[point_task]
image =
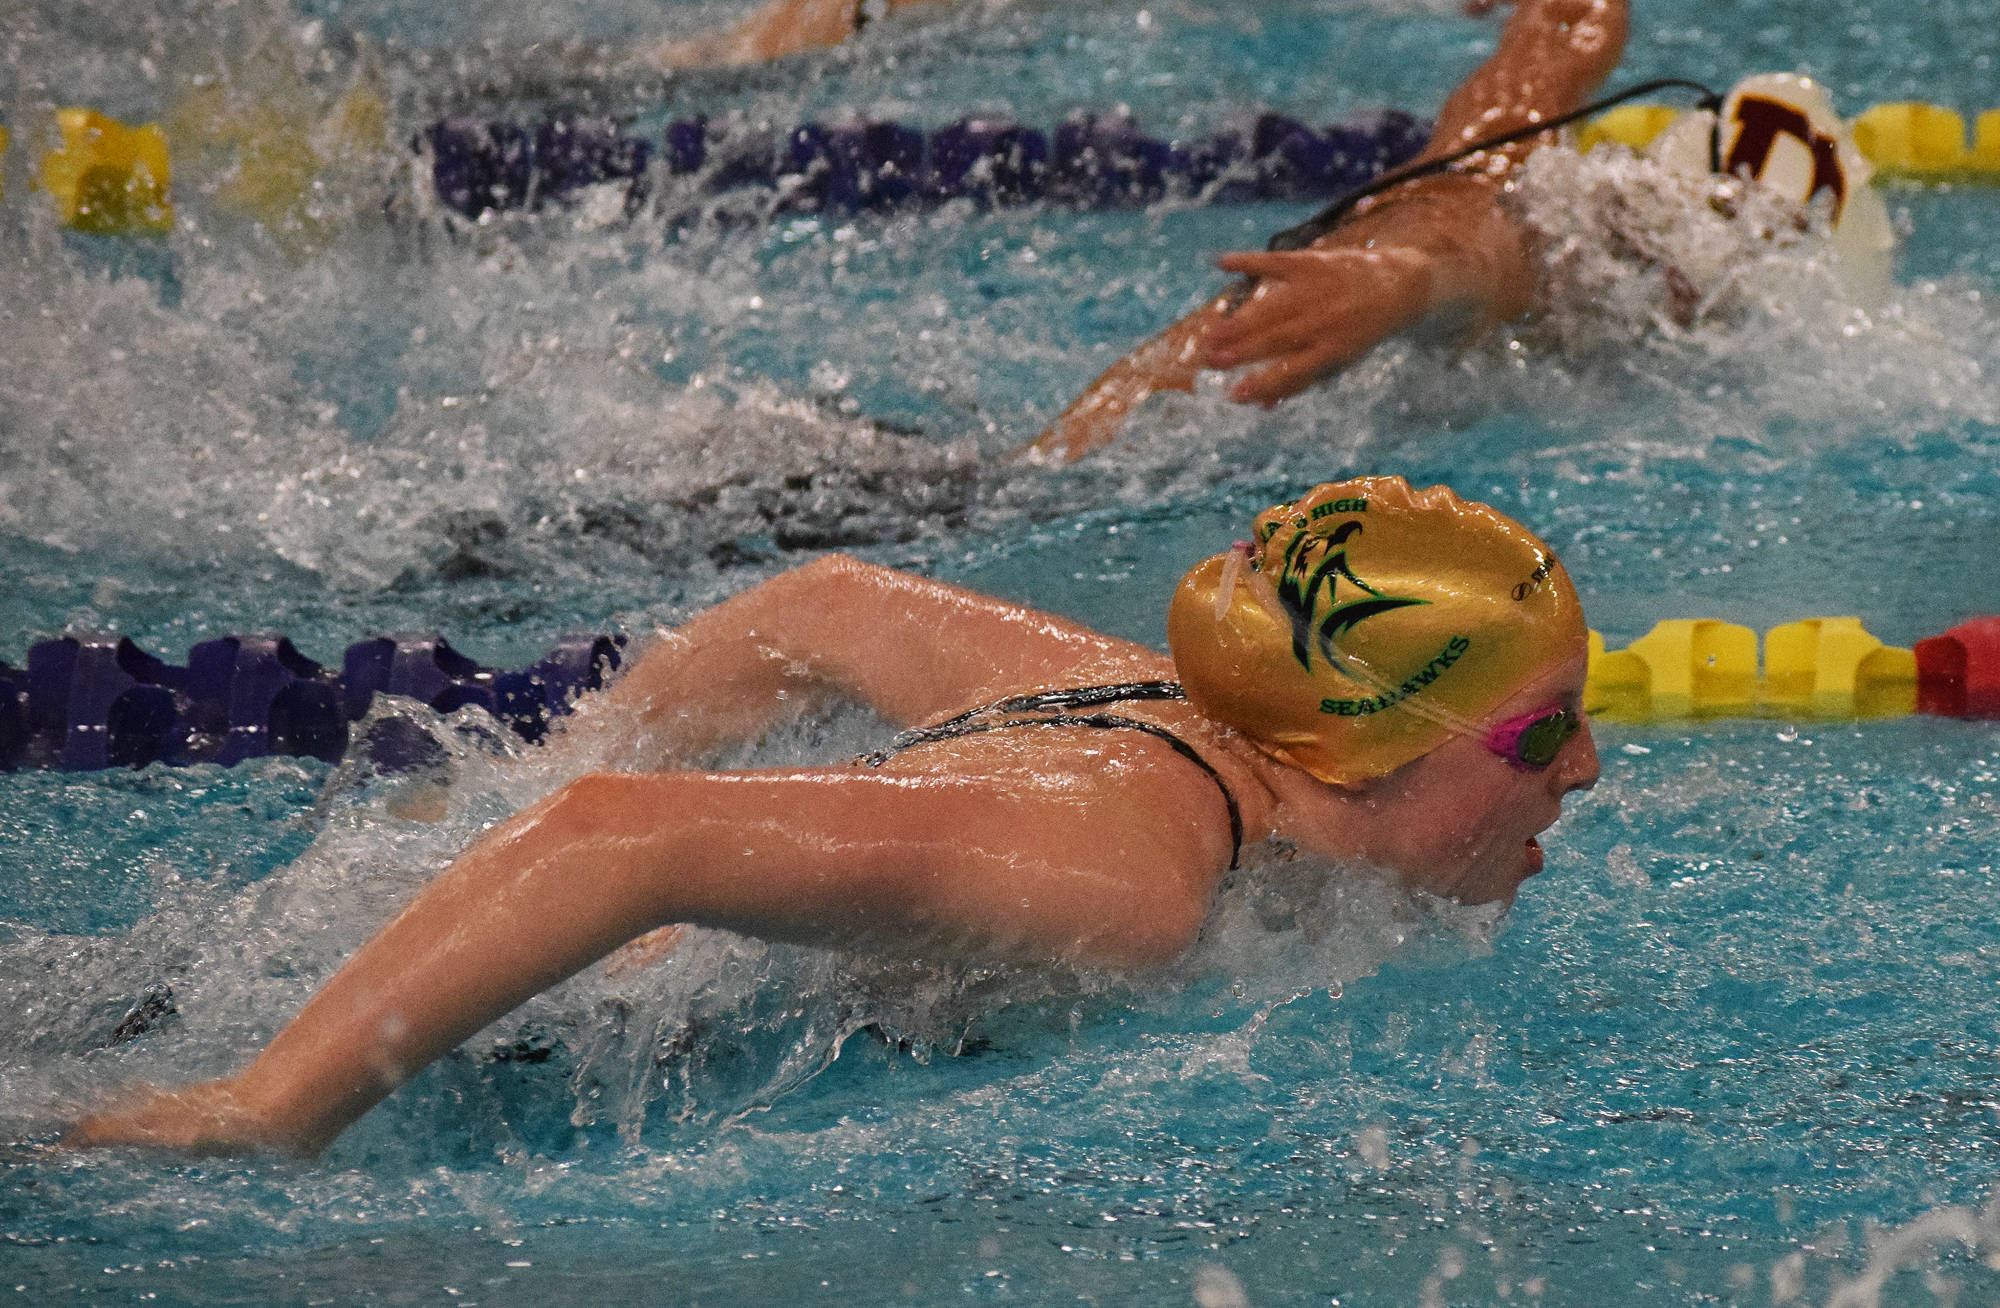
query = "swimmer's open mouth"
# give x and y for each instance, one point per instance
(1534, 848)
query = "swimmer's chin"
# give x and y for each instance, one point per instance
(1500, 888)
(1531, 863)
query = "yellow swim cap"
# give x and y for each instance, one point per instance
(1367, 622)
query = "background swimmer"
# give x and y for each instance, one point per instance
(1387, 675)
(780, 28)
(1434, 246)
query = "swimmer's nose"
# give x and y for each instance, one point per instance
(1576, 768)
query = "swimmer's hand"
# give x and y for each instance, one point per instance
(1312, 312)
(780, 28)
(208, 1118)
(1165, 363)
(1435, 246)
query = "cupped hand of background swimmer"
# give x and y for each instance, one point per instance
(1312, 312)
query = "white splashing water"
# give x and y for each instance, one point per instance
(1721, 299)
(428, 397)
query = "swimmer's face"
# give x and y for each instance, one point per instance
(1460, 822)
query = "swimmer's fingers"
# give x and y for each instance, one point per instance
(1314, 311)
(1305, 352)
(1268, 263)
(1291, 373)
(1300, 298)
(1341, 340)
(1275, 319)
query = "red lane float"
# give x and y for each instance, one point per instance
(1958, 673)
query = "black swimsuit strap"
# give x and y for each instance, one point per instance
(963, 725)
(1074, 697)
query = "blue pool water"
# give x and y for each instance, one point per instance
(1738, 1045)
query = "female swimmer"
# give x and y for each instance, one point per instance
(1433, 246)
(1386, 675)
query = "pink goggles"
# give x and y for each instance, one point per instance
(1531, 742)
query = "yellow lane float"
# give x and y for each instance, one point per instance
(1631, 125)
(1833, 668)
(1682, 668)
(1704, 668)
(1924, 141)
(108, 177)
(1905, 138)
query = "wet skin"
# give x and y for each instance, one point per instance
(1477, 842)
(1438, 246)
(1099, 849)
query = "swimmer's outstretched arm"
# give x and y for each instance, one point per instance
(1020, 866)
(1434, 245)
(909, 648)
(1027, 864)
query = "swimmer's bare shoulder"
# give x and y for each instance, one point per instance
(1058, 845)
(910, 648)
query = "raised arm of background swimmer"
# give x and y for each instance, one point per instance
(779, 28)
(906, 647)
(1436, 244)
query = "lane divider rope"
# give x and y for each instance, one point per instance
(111, 177)
(90, 700)
(1827, 668)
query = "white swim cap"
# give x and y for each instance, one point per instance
(1779, 129)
